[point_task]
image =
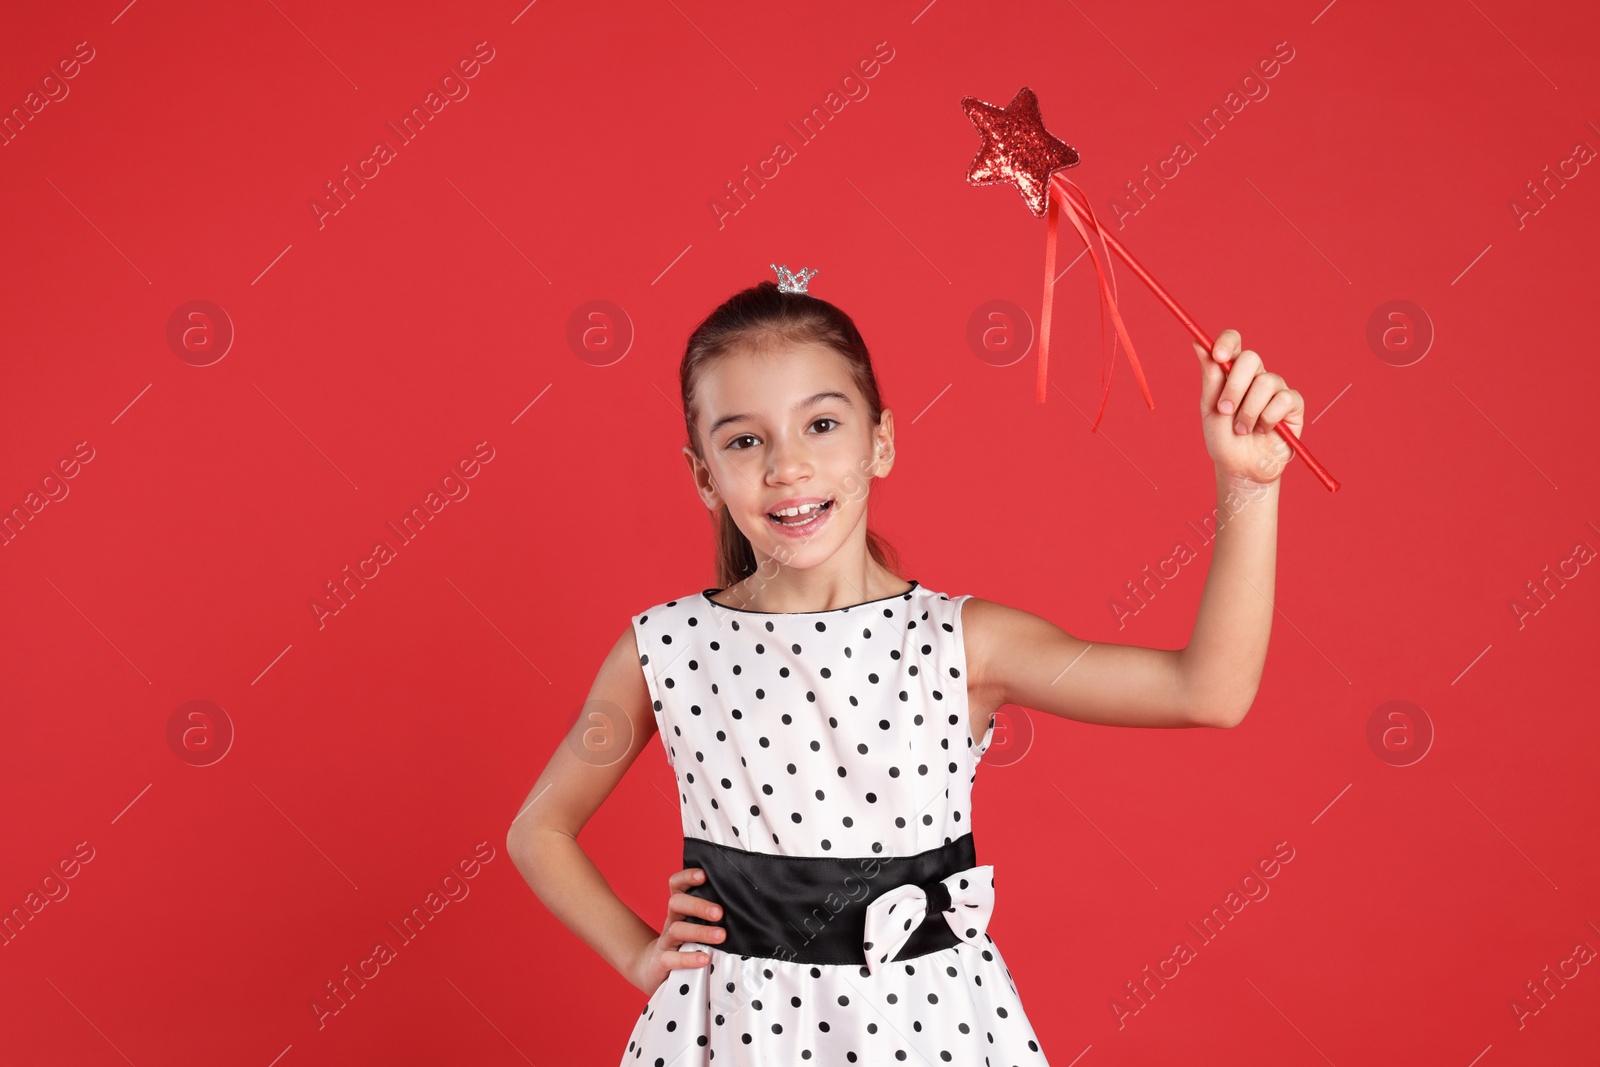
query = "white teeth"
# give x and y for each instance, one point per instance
(804, 509)
(804, 515)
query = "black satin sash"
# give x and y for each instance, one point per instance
(812, 909)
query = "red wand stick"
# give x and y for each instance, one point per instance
(1019, 150)
(1073, 197)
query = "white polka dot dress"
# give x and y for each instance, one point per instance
(803, 737)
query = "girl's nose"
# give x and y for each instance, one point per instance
(790, 458)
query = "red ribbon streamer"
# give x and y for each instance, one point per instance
(1108, 292)
(1078, 204)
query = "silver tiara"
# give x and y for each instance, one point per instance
(792, 282)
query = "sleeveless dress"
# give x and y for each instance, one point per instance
(839, 733)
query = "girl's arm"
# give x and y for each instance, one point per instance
(1015, 657)
(616, 723)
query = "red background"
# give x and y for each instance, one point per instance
(372, 754)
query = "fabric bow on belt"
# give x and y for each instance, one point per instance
(965, 899)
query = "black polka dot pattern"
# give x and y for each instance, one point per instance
(841, 733)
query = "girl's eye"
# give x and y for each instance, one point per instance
(733, 443)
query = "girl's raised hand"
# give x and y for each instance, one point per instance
(661, 956)
(1250, 397)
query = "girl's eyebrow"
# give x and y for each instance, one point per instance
(816, 398)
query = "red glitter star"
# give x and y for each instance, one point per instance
(1017, 148)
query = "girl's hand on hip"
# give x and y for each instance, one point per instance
(1240, 410)
(660, 957)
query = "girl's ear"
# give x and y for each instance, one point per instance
(703, 483)
(883, 445)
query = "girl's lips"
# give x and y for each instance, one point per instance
(807, 528)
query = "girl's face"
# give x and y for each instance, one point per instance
(785, 428)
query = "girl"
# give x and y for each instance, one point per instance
(825, 718)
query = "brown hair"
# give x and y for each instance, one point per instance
(750, 319)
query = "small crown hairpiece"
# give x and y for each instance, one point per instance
(792, 282)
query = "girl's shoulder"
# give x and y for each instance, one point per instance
(656, 626)
(682, 605)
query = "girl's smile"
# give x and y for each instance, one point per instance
(802, 519)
